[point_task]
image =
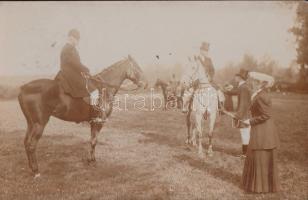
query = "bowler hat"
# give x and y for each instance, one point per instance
(243, 73)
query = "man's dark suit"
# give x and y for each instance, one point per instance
(70, 77)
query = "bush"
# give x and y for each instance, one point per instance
(7, 92)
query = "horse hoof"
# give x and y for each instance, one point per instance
(201, 155)
(36, 176)
(91, 160)
(188, 142)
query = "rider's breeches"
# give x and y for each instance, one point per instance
(94, 97)
(245, 135)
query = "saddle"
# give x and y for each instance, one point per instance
(95, 85)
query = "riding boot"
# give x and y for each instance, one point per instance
(220, 108)
(244, 149)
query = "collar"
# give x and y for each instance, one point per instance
(241, 83)
(256, 93)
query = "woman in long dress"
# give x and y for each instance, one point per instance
(260, 174)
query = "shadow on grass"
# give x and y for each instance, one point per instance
(228, 151)
(174, 142)
(160, 139)
(208, 168)
(58, 156)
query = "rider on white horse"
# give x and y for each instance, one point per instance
(201, 73)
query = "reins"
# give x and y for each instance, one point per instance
(103, 82)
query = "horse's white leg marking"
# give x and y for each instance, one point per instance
(37, 175)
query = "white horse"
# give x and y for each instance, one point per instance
(203, 106)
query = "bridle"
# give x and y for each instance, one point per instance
(134, 89)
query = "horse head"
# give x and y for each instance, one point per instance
(135, 74)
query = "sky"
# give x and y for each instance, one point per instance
(33, 33)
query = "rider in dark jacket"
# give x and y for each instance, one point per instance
(70, 75)
(73, 74)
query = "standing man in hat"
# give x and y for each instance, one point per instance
(72, 75)
(243, 105)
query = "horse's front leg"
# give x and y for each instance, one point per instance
(193, 139)
(95, 129)
(212, 119)
(165, 100)
(198, 128)
(189, 129)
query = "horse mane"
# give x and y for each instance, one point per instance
(106, 74)
(111, 67)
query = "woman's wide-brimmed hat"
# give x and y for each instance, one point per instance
(264, 78)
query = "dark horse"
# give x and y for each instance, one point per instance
(43, 98)
(168, 94)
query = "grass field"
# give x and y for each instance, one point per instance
(142, 155)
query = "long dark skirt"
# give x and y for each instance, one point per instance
(260, 174)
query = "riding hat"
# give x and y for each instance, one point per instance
(74, 33)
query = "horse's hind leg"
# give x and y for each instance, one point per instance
(36, 122)
(26, 109)
(27, 138)
(31, 141)
(95, 129)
